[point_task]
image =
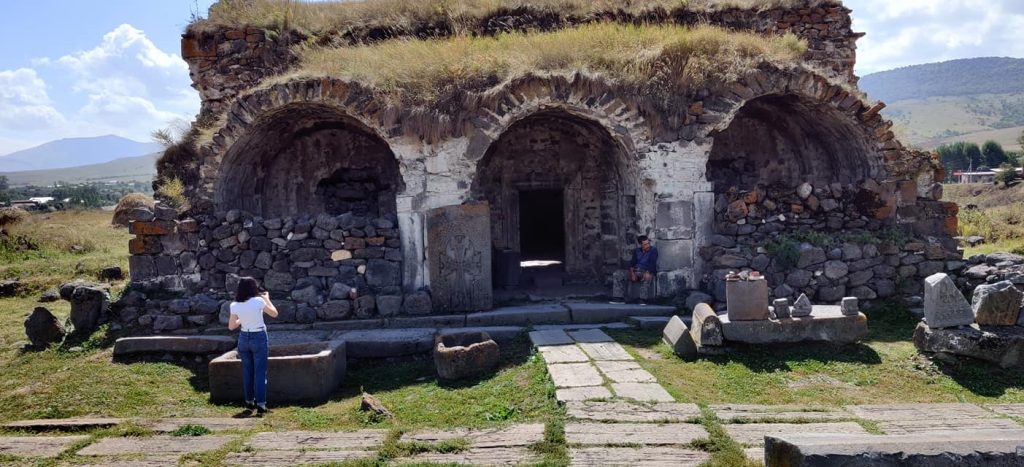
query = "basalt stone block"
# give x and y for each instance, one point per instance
(335, 310)
(389, 305)
(781, 308)
(365, 306)
(997, 304)
(944, 449)
(849, 306)
(417, 303)
(801, 307)
(828, 324)
(1003, 345)
(747, 300)
(460, 268)
(168, 323)
(944, 305)
(43, 329)
(89, 303)
(278, 281)
(383, 273)
(678, 336)
(706, 327)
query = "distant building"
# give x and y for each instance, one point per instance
(41, 199)
(983, 176)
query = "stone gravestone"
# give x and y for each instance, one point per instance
(944, 305)
(459, 257)
(802, 307)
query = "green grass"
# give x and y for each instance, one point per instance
(659, 61)
(885, 368)
(999, 216)
(320, 17)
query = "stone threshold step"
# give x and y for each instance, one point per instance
(962, 447)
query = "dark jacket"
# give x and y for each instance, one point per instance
(645, 260)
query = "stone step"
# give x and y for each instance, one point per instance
(746, 413)
(477, 456)
(624, 411)
(611, 312)
(585, 393)
(647, 434)
(163, 444)
(191, 345)
(753, 434)
(963, 447)
(889, 412)
(649, 322)
(521, 316)
(361, 440)
(506, 437)
(279, 458)
(637, 457)
(37, 446)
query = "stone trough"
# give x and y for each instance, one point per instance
(464, 354)
(298, 373)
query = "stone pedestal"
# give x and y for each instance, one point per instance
(459, 257)
(827, 323)
(747, 300)
(677, 336)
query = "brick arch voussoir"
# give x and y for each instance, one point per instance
(578, 96)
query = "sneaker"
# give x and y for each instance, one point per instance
(261, 410)
(247, 411)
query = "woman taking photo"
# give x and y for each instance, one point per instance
(253, 348)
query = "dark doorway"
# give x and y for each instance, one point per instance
(542, 225)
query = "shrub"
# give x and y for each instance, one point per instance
(1007, 175)
(11, 216)
(127, 204)
(172, 191)
(785, 251)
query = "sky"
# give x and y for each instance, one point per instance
(78, 68)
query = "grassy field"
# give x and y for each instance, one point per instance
(66, 382)
(938, 120)
(885, 368)
(999, 216)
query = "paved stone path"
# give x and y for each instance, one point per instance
(616, 414)
(647, 426)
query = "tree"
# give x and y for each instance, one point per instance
(952, 158)
(1007, 174)
(993, 155)
(4, 186)
(973, 153)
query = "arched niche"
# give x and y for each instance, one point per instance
(561, 188)
(309, 159)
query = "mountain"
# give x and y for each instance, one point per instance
(74, 152)
(974, 99)
(128, 169)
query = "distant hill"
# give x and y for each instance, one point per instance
(75, 152)
(975, 99)
(128, 169)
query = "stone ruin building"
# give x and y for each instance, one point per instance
(314, 181)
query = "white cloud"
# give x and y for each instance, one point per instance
(908, 32)
(24, 103)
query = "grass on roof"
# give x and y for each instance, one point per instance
(319, 17)
(658, 61)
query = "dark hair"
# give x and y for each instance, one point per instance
(247, 288)
(642, 238)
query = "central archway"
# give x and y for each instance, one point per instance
(309, 159)
(562, 191)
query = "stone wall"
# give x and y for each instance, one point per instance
(184, 271)
(224, 62)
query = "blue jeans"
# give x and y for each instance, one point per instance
(253, 349)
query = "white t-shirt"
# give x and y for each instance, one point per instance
(250, 312)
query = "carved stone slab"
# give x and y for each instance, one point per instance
(506, 437)
(632, 433)
(37, 446)
(752, 434)
(163, 444)
(623, 411)
(636, 457)
(286, 440)
(459, 257)
(276, 458)
(944, 305)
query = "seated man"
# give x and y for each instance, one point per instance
(642, 269)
